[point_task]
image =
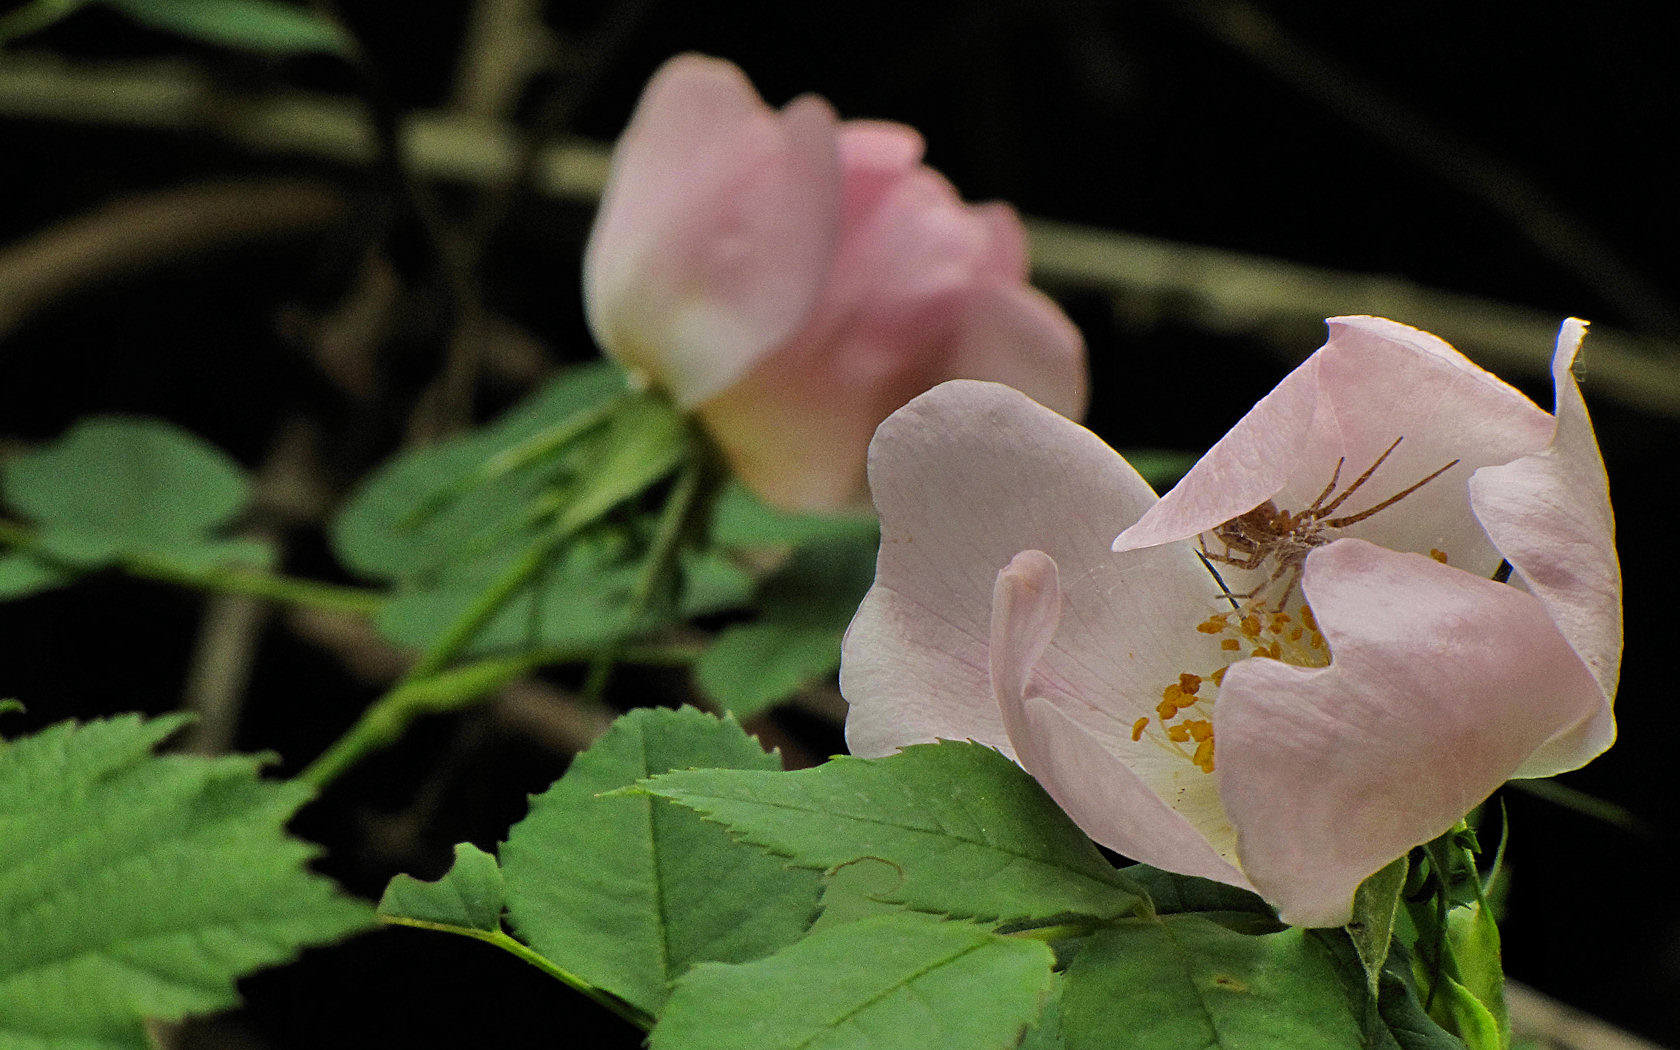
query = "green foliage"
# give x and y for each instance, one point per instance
(628, 892)
(473, 492)
(743, 521)
(467, 899)
(1400, 1023)
(115, 488)
(447, 523)
(134, 886)
(805, 609)
(580, 601)
(972, 835)
(1375, 905)
(893, 982)
(264, 26)
(22, 575)
(1181, 980)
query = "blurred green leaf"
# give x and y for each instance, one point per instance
(266, 26)
(1161, 467)
(467, 899)
(742, 520)
(21, 576)
(628, 892)
(134, 886)
(894, 982)
(1375, 905)
(115, 487)
(486, 501)
(804, 611)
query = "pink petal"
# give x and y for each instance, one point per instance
(717, 228)
(1372, 382)
(1016, 335)
(907, 307)
(1442, 684)
(1093, 784)
(965, 477)
(1549, 515)
(874, 155)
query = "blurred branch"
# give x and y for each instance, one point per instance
(231, 625)
(1551, 227)
(1539, 1018)
(149, 229)
(1222, 291)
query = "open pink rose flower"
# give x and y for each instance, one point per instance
(792, 279)
(1355, 684)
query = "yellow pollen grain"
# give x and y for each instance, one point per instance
(1204, 755)
(1251, 626)
(1213, 624)
(1307, 619)
(1230, 645)
(1295, 635)
(1440, 556)
(1166, 709)
(1178, 734)
(1137, 728)
(1219, 676)
(1173, 694)
(1189, 683)
(1316, 641)
(1200, 729)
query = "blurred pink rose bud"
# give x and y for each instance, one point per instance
(792, 279)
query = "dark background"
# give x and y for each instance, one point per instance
(1516, 153)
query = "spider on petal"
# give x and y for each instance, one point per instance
(1266, 532)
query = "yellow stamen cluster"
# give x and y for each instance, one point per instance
(1184, 710)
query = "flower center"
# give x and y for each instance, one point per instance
(1184, 717)
(1272, 620)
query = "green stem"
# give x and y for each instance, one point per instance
(657, 566)
(500, 939)
(215, 579)
(383, 722)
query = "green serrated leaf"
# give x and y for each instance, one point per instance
(1181, 980)
(264, 26)
(807, 606)
(861, 889)
(974, 835)
(136, 886)
(1375, 905)
(894, 982)
(467, 899)
(21, 576)
(115, 487)
(742, 520)
(629, 892)
(377, 533)
(1174, 893)
(1046, 1032)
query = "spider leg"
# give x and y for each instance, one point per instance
(1360, 480)
(1335, 475)
(1337, 523)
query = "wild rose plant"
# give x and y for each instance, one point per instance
(1389, 589)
